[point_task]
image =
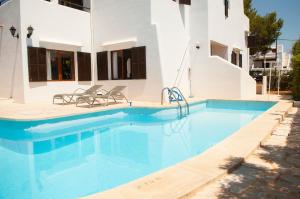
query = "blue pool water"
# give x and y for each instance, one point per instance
(70, 157)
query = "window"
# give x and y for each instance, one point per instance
(121, 64)
(60, 65)
(76, 4)
(125, 64)
(226, 5)
(218, 49)
(186, 2)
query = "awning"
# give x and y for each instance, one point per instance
(237, 48)
(119, 44)
(59, 45)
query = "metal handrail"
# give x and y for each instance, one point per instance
(172, 93)
(181, 62)
(186, 102)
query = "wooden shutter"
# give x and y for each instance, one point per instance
(37, 64)
(138, 64)
(84, 66)
(186, 2)
(102, 65)
(233, 58)
(226, 2)
(251, 42)
(241, 60)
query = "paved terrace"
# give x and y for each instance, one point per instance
(272, 171)
(11, 110)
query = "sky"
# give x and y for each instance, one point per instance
(289, 11)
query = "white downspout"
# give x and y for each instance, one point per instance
(93, 62)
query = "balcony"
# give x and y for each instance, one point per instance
(83, 5)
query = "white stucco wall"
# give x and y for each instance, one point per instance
(144, 23)
(170, 32)
(55, 27)
(214, 77)
(229, 31)
(11, 70)
(125, 24)
(174, 42)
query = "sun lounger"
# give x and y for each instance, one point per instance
(114, 94)
(70, 97)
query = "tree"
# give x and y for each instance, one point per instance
(296, 77)
(296, 48)
(249, 10)
(296, 70)
(266, 29)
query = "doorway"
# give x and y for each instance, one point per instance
(60, 65)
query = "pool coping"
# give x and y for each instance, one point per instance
(119, 107)
(99, 109)
(183, 180)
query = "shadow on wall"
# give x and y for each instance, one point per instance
(1, 38)
(14, 69)
(37, 84)
(281, 179)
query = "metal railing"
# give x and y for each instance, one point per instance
(71, 4)
(184, 99)
(172, 94)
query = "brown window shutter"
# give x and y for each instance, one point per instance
(37, 64)
(138, 64)
(102, 65)
(241, 60)
(251, 42)
(233, 58)
(186, 2)
(84, 66)
(226, 2)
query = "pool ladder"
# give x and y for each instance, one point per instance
(171, 95)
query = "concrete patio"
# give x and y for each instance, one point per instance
(272, 171)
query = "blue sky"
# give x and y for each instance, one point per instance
(289, 11)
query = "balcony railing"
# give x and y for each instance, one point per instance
(74, 4)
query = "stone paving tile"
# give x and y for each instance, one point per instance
(271, 172)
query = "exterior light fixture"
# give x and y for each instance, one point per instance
(13, 32)
(30, 31)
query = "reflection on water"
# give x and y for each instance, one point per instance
(73, 157)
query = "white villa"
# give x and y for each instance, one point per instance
(198, 45)
(280, 60)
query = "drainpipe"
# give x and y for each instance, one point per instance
(92, 44)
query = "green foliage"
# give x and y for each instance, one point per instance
(296, 48)
(285, 81)
(296, 77)
(249, 10)
(266, 28)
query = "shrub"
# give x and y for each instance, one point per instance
(296, 77)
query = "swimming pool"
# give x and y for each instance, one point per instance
(76, 156)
